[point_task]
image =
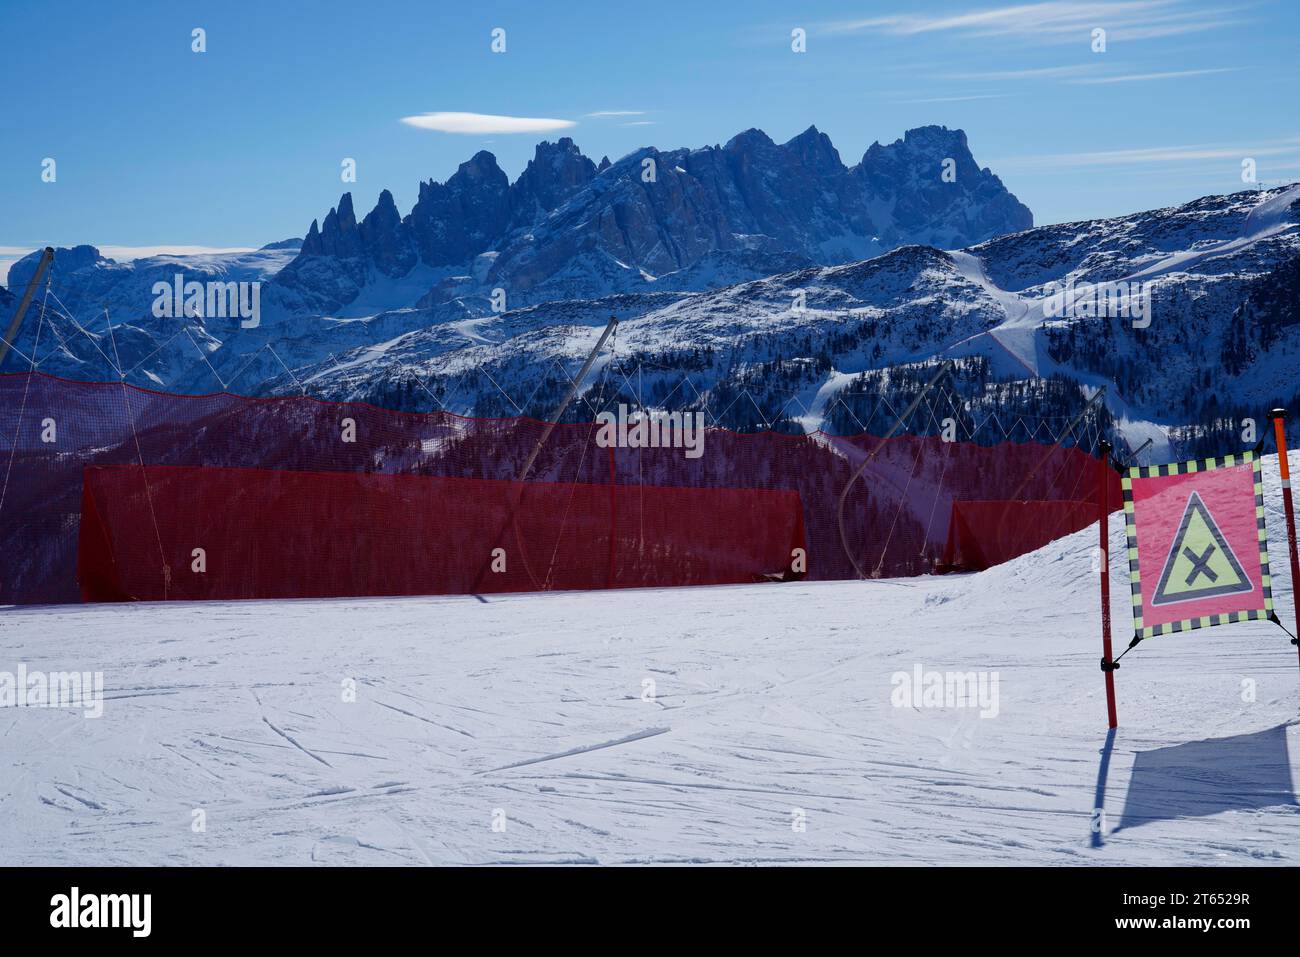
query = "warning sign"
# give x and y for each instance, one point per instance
(1197, 546)
(1200, 564)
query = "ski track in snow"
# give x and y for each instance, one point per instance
(767, 699)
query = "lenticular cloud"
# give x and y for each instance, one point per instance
(485, 123)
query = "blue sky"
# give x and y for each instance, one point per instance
(242, 145)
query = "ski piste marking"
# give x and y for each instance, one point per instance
(626, 739)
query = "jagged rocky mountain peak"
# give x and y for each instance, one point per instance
(481, 166)
(752, 138)
(569, 228)
(815, 150)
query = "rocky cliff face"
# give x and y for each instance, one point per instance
(556, 172)
(906, 177)
(568, 228)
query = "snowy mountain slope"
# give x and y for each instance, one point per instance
(1221, 275)
(1170, 246)
(806, 334)
(535, 710)
(1199, 265)
(90, 292)
(653, 224)
(87, 281)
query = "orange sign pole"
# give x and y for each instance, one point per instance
(1279, 433)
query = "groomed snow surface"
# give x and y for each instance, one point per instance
(533, 713)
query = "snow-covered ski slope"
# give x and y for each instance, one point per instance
(770, 705)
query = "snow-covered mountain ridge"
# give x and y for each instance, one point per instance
(1220, 275)
(1219, 341)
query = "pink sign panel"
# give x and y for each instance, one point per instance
(1198, 551)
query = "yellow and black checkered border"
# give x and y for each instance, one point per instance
(1135, 587)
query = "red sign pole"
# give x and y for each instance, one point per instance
(1107, 663)
(1279, 433)
(613, 518)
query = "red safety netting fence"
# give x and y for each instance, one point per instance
(227, 533)
(581, 499)
(983, 534)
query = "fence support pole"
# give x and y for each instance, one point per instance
(613, 517)
(532, 457)
(1108, 665)
(1279, 433)
(944, 368)
(11, 337)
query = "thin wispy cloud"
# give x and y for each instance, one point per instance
(1033, 73)
(1147, 155)
(957, 99)
(640, 123)
(1055, 21)
(485, 123)
(599, 114)
(1082, 74)
(1146, 77)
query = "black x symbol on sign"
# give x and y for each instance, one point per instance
(1201, 565)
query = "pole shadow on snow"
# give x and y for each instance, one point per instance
(1099, 800)
(1239, 773)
